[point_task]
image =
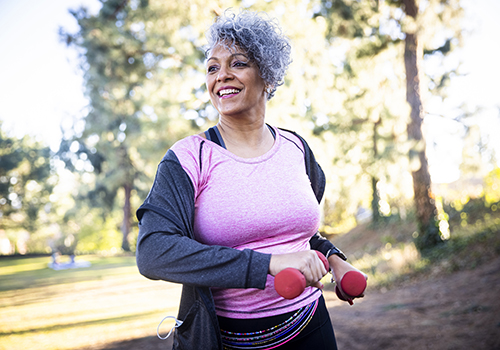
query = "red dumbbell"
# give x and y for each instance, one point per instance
(352, 284)
(290, 282)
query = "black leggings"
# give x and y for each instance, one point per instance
(318, 334)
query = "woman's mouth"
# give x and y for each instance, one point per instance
(225, 93)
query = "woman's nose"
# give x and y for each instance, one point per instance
(224, 74)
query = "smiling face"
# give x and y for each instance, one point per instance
(234, 83)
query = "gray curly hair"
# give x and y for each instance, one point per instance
(262, 40)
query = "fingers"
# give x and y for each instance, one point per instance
(318, 285)
(313, 268)
(307, 262)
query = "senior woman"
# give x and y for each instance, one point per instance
(233, 206)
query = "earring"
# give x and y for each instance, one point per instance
(268, 90)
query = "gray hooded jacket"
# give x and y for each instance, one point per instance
(167, 250)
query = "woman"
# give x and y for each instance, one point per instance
(232, 207)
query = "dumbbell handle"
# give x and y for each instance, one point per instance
(290, 282)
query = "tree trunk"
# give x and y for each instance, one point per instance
(428, 235)
(126, 217)
(376, 215)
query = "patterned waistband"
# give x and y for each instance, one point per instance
(272, 337)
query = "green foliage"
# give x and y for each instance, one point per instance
(428, 235)
(372, 35)
(492, 188)
(98, 236)
(469, 249)
(475, 212)
(137, 63)
(369, 123)
(27, 180)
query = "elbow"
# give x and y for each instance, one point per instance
(145, 264)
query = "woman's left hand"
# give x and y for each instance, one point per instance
(340, 267)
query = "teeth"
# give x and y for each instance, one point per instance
(228, 92)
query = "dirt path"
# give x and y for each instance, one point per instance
(455, 311)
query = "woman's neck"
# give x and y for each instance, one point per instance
(246, 139)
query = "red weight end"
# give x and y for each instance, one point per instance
(289, 283)
(341, 297)
(339, 294)
(353, 283)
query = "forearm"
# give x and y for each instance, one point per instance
(339, 267)
(175, 258)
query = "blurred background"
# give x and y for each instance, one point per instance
(398, 99)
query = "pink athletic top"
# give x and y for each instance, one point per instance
(264, 203)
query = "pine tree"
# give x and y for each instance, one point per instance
(374, 28)
(141, 64)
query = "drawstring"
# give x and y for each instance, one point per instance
(178, 323)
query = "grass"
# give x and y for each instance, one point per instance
(83, 308)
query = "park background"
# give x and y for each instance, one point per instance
(91, 100)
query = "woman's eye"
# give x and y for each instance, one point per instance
(211, 69)
(240, 64)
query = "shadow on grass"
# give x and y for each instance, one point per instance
(103, 321)
(40, 275)
(147, 343)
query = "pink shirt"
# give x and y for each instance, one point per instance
(264, 203)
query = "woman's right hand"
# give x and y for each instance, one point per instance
(307, 262)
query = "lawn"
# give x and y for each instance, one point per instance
(84, 308)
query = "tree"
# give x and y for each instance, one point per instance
(114, 60)
(375, 27)
(26, 182)
(141, 62)
(424, 202)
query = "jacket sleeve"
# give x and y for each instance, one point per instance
(167, 250)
